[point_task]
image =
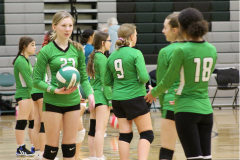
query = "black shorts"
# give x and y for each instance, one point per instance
(22, 98)
(167, 114)
(62, 110)
(99, 104)
(131, 108)
(37, 96)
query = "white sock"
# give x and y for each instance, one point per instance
(21, 145)
(32, 145)
(37, 152)
(93, 158)
(41, 153)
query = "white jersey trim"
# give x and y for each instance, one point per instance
(22, 80)
(182, 82)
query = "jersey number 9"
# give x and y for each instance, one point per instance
(118, 68)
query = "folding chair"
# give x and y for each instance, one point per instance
(224, 78)
(7, 80)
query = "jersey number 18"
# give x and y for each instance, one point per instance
(207, 67)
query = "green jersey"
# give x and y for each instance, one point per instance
(22, 73)
(102, 93)
(127, 73)
(51, 58)
(164, 58)
(195, 62)
(35, 90)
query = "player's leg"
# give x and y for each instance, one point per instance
(25, 107)
(42, 136)
(205, 131)
(91, 134)
(70, 128)
(144, 126)
(80, 133)
(187, 129)
(102, 116)
(140, 114)
(125, 137)
(36, 128)
(52, 122)
(30, 128)
(168, 135)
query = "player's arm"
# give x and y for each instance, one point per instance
(83, 75)
(108, 77)
(26, 73)
(107, 91)
(39, 73)
(171, 75)
(141, 68)
(162, 66)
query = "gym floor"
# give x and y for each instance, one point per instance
(225, 138)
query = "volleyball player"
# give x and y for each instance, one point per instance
(60, 104)
(24, 84)
(103, 95)
(168, 128)
(37, 97)
(127, 73)
(195, 61)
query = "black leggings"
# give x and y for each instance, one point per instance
(194, 131)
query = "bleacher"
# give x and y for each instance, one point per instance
(34, 17)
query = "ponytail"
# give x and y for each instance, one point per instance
(90, 67)
(19, 53)
(77, 45)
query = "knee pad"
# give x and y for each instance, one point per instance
(31, 124)
(166, 153)
(50, 152)
(126, 137)
(68, 150)
(92, 128)
(42, 130)
(148, 135)
(21, 124)
(80, 136)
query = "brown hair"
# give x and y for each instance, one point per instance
(192, 22)
(124, 32)
(97, 44)
(23, 42)
(56, 19)
(173, 22)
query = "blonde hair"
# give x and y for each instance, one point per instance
(56, 19)
(124, 33)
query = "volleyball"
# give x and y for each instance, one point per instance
(68, 77)
(113, 121)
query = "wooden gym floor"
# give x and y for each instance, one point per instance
(225, 138)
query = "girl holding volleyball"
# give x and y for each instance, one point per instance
(61, 104)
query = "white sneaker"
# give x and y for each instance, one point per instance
(93, 158)
(55, 158)
(38, 157)
(102, 158)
